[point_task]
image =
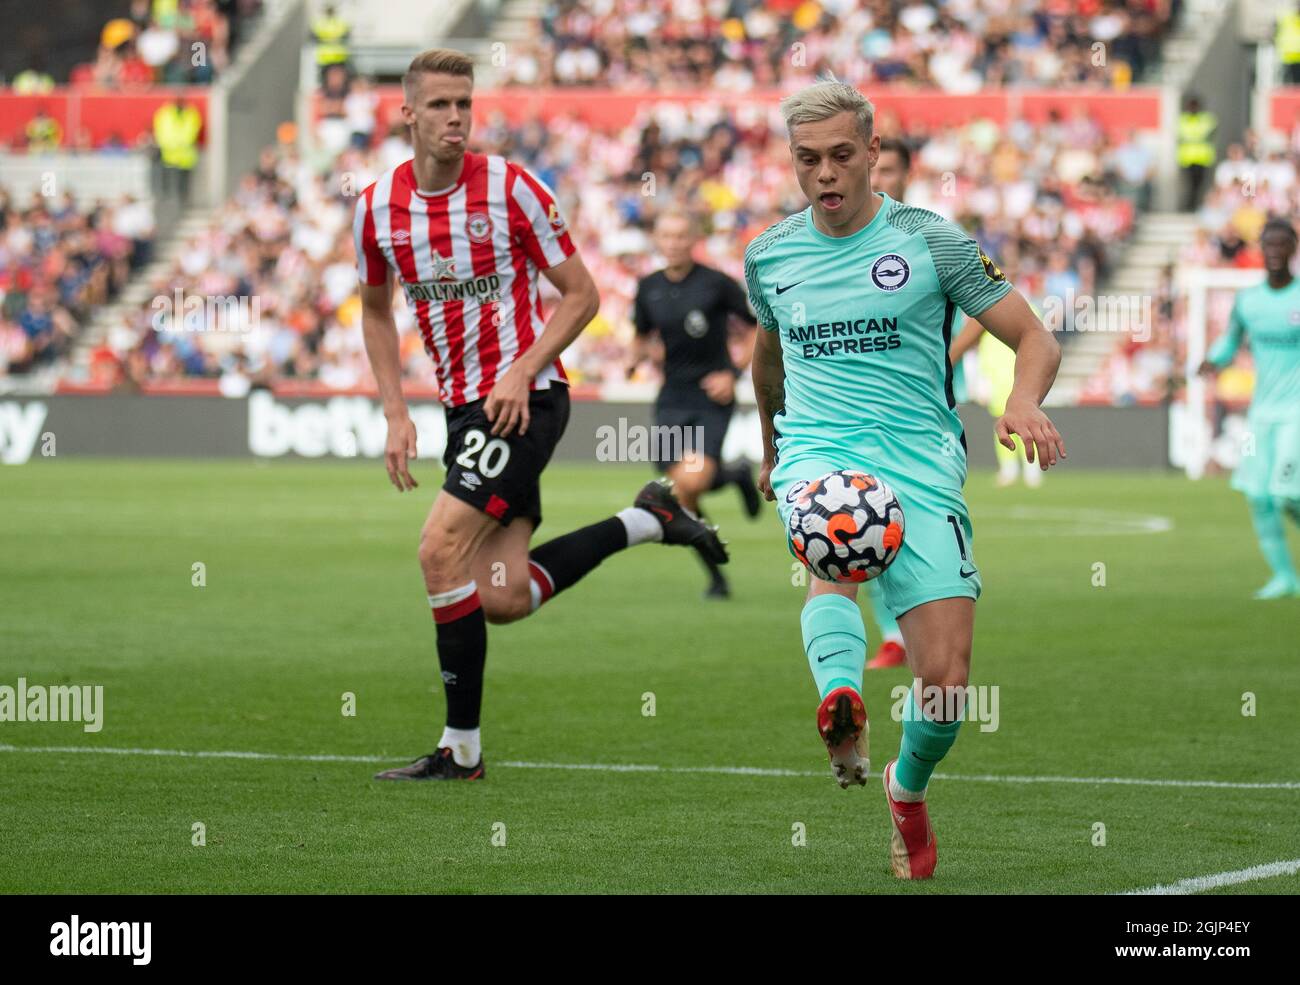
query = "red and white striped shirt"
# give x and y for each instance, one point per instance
(468, 258)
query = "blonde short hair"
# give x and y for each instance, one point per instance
(824, 99)
(441, 61)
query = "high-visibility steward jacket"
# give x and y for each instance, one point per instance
(176, 131)
(329, 33)
(1194, 143)
(1287, 39)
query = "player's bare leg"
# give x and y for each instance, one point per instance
(500, 569)
(453, 533)
(692, 477)
(835, 641)
(938, 636)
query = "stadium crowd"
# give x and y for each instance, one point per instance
(1046, 200)
(58, 261)
(735, 45)
(170, 42)
(1255, 180)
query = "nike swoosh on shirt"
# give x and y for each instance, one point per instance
(781, 290)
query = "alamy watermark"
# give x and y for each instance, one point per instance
(56, 703)
(1126, 314)
(102, 938)
(969, 702)
(179, 312)
(657, 443)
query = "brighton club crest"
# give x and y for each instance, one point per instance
(890, 272)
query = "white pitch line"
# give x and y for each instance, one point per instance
(202, 754)
(652, 768)
(1200, 884)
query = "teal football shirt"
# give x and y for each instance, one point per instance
(1270, 321)
(865, 323)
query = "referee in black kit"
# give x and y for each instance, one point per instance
(687, 305)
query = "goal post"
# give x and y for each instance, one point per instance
(1195, 437)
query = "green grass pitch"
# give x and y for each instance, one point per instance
(313, 590)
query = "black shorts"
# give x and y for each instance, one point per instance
(502, 476)
(685, 416)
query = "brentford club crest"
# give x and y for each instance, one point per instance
(478, 227)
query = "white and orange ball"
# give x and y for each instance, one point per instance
(846, 526)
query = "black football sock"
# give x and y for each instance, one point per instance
(716, 577)
(462, 652)
(564, 561)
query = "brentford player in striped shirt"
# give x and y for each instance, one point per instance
(465, 235)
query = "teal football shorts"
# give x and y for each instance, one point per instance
(1270, 461)
(936, 560)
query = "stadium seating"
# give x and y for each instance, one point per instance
(184, 43)
(58, 261)
(1250, 184)
(1039, 199)
(662, 44)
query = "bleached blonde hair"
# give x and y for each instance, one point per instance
(825, 98)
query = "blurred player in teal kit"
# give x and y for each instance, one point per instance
(1268, 318)
(857, 296)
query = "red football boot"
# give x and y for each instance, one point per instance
(890, 654)
(842, 723)
(913, 852)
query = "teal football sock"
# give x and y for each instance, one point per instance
(835, 640)
(925, 743)
(884, 618)
(1272, 537)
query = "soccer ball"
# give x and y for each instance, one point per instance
(846, 526)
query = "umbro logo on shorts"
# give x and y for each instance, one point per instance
(470, 480)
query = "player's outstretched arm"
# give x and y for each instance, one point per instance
(768, 371)
(1038, 356)
(1225, 346)
(382, 349)
(507, 403)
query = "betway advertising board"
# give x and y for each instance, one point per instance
(265, 426)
